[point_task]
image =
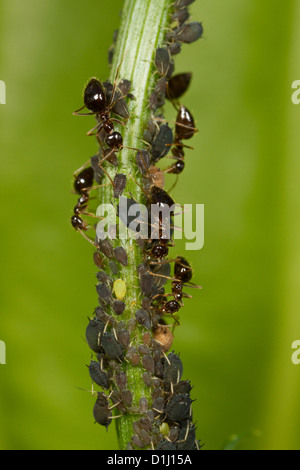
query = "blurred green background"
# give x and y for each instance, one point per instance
(236, 334)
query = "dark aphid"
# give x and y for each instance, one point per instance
(98, 260)
(133, 356)
(146, 283)
(143, 350)
(158, 404)
(119, 185)
(114, 268)
(101, 411)
(178, 408)
(137, 441)
(174, 432)
(178, 85)
(148, 363)
(106, 248)
(103, 277)
(84, 180)
(119, 307)
(161, 86)
(165, 445)
(153, 101)
(147, 338)
(93, 334)
(145, 423)
(105, 318)
(124, 338)
(104, 293)
(125, 86)
(143, 161)
(162, 142)
(184, 387)
(116, 398)
(181, 16)
(143, 318)
(119, 105)
(98, 376)
(187, 437)
(111, 157)
(156, 393)
(121, 255)
(112, 347)
(188, 33)
(185, 124)
(163, 61)
(143, 403)
(147, 379)
(145, 436)
(163, 272)
(173, 369)
(182, 3)
(175, 48)
(121, 380)
(182, 270)
(127, 397)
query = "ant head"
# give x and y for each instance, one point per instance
(94, 96)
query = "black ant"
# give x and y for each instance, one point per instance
(97, 101)
(83, 185)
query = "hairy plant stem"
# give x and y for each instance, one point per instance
(143, 27)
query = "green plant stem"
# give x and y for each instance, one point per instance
(143, 27)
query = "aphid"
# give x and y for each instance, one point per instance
(119, 307)
(143, 319)
(178, 408)
(127, 397)
(143, 403)
(187, 33)
(158, 405)
(180, 16)
(98, 376)
(178, 85)
(121, 380)
(137, 441)
(145, 423)
(106, 248)
(121, 255)
(148, 363)
(120, 289)
(143, 161)
(187, 437)
(143, 350)
(165, 445)
(93, 334)
(133, 356)
(102, 412)
(173, 369)
(147, 379)
(98, 260)
(163, 62)
(146, 338)
(124, 338)
(162, 142)
(104, 293)
(146, 283)
(114, 268)
(103, 277)
(119, 185)
(175, 48)
(164, 429)
(182, 387)
(112, 347)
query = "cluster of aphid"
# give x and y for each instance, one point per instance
(164, 421)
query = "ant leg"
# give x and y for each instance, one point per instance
(87, 238)
(98, 127)
(81, 168)
(115, 81)
(77, 113)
